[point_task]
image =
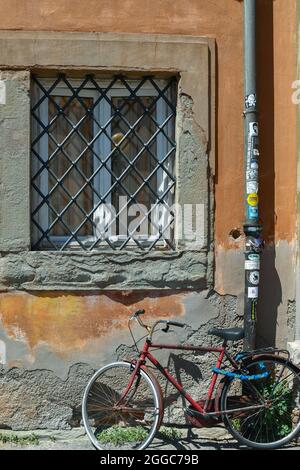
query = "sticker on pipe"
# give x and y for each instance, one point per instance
(252, 174)
(255, 147)
(253, 199)
(253, 128)
(252, 292)
(253, 309)
(252, 265)
(254, 256)
(252, 187)
(254, 278)
(250, 100)
(252, 212)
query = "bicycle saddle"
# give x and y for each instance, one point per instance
(229, 334)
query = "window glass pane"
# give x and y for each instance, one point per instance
(133, 148)
(61, 159)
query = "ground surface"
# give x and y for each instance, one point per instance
(190, 439)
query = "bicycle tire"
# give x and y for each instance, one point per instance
(115, 428)
(274, 424)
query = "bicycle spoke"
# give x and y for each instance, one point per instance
(112, 423)
(249, 417)
(99, 399)
(99, 391)
(257, 420)
(280, 382)
(261, 426)
(279, 420)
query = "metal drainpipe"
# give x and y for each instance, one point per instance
(252, 227)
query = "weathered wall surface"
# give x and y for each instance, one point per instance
(294, 345)
(89, 271)
(279, 169)
(51, 341)
(54, 341)
(14, 167)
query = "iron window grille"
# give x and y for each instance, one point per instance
(99, 145)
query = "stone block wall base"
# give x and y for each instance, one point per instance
(294, 349)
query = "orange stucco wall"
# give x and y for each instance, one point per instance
(71, 321)
(222, 19)
(285, 57)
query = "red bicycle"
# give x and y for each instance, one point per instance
(257, 398)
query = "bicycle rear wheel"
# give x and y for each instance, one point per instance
(267, 410)
(113, 422)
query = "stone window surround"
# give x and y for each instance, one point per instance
(193, 59)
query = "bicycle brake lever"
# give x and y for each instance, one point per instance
(166, 329)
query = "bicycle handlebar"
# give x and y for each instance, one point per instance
(150, 329)
(176, 323)
(139, 312)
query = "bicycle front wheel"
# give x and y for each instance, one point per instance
(263, 413)
(115, 418)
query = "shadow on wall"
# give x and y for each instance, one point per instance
(270, 295)
(265, 92)
(270, 298)
(193, 373)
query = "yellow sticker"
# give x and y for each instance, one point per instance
(253, 199)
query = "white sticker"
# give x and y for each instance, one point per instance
(253, 128)
(250, 100)
(252, 292)
(252, 265)
(254, 165)
(2, 92)
(252, 187)
(252, 175)
(254, 278)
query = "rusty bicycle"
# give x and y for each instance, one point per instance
(257, 396)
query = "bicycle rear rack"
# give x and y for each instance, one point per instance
(256, 352)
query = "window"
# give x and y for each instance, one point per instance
(102, 167)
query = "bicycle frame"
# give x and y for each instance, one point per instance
(145, 354)
(170, 378)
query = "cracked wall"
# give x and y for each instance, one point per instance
(54, 342)
(90, 271)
